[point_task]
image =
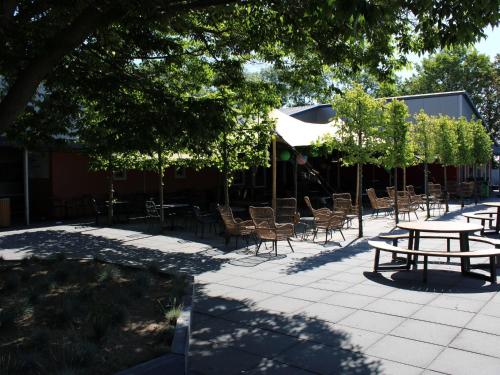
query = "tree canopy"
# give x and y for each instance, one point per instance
(461, 68)
(40, 38)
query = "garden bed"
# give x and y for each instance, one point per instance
(84, 316)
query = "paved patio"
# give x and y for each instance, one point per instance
(318, 310)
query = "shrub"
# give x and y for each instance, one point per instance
(12, 281)
(143, 280)
(61, 274)
(108, 273)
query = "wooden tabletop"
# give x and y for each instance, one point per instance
(440, 226)
(492, 204)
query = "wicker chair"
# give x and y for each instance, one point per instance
(437, 196)
(415, 198)
(328, 222)
(267, 230)
(345, 208)
(235, 227)
(152, 215)
(378, 204)
(286, 211)
(406, 206)
(313, 210)
(343, 197)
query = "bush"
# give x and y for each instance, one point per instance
(143, 280)
(108, 273)
(12, 281)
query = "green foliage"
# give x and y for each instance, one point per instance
(446, 140)
(482, 145)
(423, 136)
(359, 118)
(465, 141)
(398, 150)
(461, 68)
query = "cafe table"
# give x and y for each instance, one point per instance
(497, 205)
(171, 210)
(445, 227)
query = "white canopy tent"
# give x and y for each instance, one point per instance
(296, 133)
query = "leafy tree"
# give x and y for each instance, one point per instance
(398, 147)
(446, 146)
(38, 38)
(425, 146)
(360, 119)
(482, 148)
(462, 68)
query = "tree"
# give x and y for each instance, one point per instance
(425, 147)
(446, 146)
(461, 68)
(359, 116)
(37, 38)
(398, 147)
(482, 148)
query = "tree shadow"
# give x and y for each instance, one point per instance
(229, 337)
(87, 244)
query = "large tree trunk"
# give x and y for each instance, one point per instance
(426, 187)
(62, 43)
(446, 189)
(110, 193)
(396, 209)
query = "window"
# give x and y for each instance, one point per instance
(180, 173)
(120, 175)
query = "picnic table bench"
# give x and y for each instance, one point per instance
(383, 246)
(482, 217)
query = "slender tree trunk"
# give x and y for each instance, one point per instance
(360, 200)
(110, 192)
(476, 198)
(426, 183)
(404, 178)
(396, 208)
(160, 188)
(446, 189)
(225, 170)
(274, 170)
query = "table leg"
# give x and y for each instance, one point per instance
(497, 224)
(416, 246)
(464, 246)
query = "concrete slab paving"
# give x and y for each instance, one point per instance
(320, 310)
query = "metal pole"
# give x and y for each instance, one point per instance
(26, 188)
(274, 174)
(295, 177)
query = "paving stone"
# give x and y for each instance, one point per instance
(411, 352)
(326, 360)
(387, 367)
(247, 295)
(271, 367)
(326, 312)
(443, 316)
(485, 323)
(348, 277)
(398, 308)
(215, 305)
(457, 303)
(478, 342)
(264, 275)
(283, 304)
(354, 301)
(491, 308)
(369, 290)
(346, 337)
(332, 285)
(372, 321)
(296, 279)
(308, 294)
(273, 287)
(239, 282)
(459, 362)
(413, 296)
(212, 361)
(426, 331)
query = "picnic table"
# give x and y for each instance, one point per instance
(462, 229)
(497, 205)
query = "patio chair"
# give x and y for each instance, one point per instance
(465, 191)
(378, 204)
(286, 211)
(406, 207)
(235, 227)
(267, 230)
(313, 210)
(437, 197)
(345, 207)
(343, 197)
(329, 222)
(416, 198)
(204, 219)
(152, 214)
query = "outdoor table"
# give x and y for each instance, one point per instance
(434, 226)
(497, 205)
(170, 209)
(308, 223)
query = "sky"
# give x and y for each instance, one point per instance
(490, 45)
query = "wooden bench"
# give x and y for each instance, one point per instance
(480, 216)
(384, 246)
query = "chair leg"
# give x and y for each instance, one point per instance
(275, 244)
(326, 235)
(258, 247)
(236, 242)
(376, 260)
(425, 269)
(342, 234)
(289, 244)
(448, 249)
(493, 270)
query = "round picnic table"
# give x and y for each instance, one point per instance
(497, 205)
(462, 229)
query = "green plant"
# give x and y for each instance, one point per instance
(108, 273)
(170, 310)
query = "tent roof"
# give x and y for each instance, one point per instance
(299, 133)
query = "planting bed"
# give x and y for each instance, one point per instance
(83, 317)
